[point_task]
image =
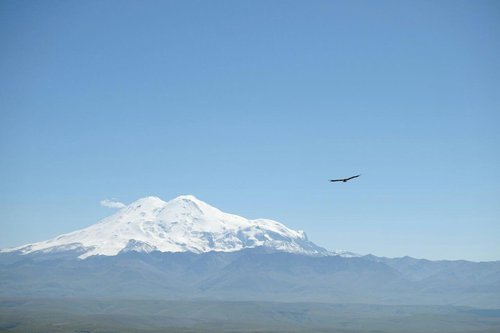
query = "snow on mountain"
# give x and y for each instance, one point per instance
(180, 225)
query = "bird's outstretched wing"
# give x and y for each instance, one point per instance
(344, 179)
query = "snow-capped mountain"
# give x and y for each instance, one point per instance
(184, 224)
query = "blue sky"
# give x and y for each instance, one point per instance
(252, 106)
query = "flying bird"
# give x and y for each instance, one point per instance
(344, 179)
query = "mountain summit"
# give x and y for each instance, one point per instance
(184, 224)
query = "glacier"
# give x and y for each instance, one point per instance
(183, 224)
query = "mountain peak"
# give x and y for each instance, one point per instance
(187, 197)
(183, 224)
(187, 201)
(147, 201)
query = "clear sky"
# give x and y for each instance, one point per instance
(252, 106)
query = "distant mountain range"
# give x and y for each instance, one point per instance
(186, 249)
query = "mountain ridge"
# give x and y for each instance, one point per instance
(251, 274)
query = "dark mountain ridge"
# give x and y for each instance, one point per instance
(258, 274)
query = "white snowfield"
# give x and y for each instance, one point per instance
(184, 224)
